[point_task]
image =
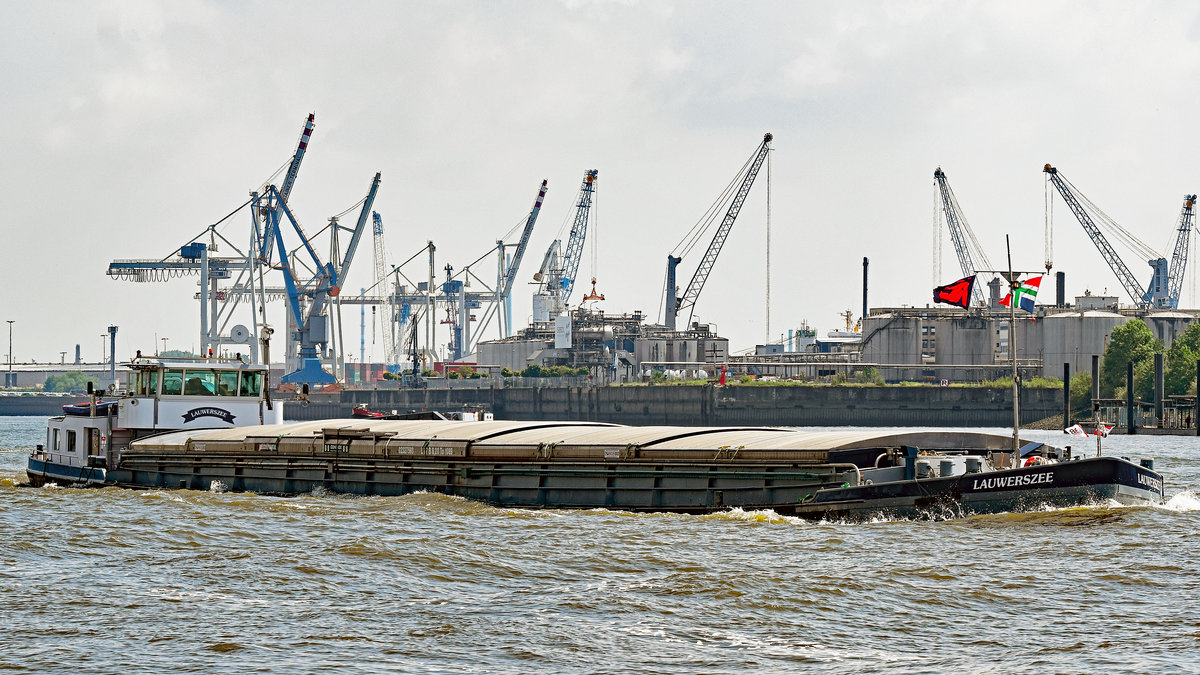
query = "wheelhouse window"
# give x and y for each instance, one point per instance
(227, 382)
(200, 383)
(251, 383)
(172, 382)
(70, 440)
(152, 383)
(54, 444)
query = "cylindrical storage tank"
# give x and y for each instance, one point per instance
(1073, 337)
(1167, 326)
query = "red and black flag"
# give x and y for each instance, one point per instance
(957, 293)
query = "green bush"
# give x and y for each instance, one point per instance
(74, 381)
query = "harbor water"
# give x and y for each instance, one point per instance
(116, 581)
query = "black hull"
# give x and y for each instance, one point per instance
(1075, 483)
(810, 491)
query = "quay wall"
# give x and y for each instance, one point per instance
(700, 405)
(707, 405)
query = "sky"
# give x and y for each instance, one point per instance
(129, 127)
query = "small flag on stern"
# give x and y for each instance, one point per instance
(1025, 291)
(957, 293)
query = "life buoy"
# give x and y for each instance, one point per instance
(1036, 459)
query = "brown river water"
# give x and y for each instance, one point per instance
(118, 581)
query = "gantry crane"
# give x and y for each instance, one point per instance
(675, 303)
(965, 244)
(1157, 293)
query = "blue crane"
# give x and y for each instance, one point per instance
(1157, 293)
(960, 232)
(1183, 236)
(325, 282)
(675, 303)
(574, 250)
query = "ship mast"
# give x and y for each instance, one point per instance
(1012, 355)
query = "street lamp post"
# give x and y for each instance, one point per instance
(8, 382)
(103, 350)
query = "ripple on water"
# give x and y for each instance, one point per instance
(120, 580)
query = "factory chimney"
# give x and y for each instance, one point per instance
(77, 359)
(864, 312)
(1060, 297)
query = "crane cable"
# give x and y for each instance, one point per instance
(1106, 223)
(698, 230)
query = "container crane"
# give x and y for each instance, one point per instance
(1156, 294)
(675, 303)
(1183, 236)
(965, 244)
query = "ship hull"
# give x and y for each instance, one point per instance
(1093, 480)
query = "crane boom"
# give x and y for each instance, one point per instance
(285, 190)
(1140, 295)
(510, 275)
(694, 287)
(1179, 257)
(956, 222)
(578, 233)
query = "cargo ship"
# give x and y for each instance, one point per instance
(585, 465)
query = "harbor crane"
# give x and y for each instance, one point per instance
(194, 257)
(1155, 295)
(510, 272)
(1179, 257)
(311, 322)
(387, 310)
(559, 267)
(965, 244)
(676, 303)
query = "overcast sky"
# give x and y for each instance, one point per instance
(130, 126)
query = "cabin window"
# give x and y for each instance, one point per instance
(54, 442)
(152, 383)
(200, 383)
(172, 382)
(227, 382)
(251, 383)
(70, 440)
